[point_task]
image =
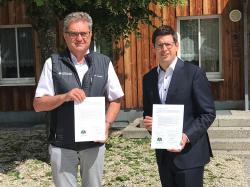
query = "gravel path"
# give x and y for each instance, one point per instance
(246, 162)
(128, 163)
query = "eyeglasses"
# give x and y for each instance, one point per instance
(76, 34)
(167, 45)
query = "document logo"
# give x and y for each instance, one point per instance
(83, 132)
(159, 139)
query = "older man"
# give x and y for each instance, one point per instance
(68, 77)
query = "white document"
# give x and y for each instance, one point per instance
(167, 126)
(90, 119)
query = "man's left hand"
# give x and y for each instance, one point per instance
(184, 141)
(107, 125)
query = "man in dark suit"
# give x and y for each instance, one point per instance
(176, 82)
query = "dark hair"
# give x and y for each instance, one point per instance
(162, 31)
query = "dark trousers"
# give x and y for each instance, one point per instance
(171, 176)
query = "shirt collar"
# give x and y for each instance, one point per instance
(171, 66)
(73, 58)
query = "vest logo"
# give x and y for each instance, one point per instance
(64, 73)
(100, 76)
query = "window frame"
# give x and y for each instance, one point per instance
(21, 81)
(212, 76)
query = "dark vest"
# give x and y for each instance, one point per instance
(65, 78)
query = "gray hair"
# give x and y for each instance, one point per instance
(77, 16)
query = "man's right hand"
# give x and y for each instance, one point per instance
(147, 121)
(76, 95)
(47, 103)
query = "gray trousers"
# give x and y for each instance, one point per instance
(64, 165)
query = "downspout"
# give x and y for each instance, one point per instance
(245, 7)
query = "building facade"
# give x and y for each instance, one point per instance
(211, 35)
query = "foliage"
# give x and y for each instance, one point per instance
(112, 18)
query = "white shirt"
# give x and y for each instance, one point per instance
(164, 79)
(46, 87)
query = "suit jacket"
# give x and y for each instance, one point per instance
(189, 86)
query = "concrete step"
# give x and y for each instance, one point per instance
(119, 125)
(219, 143)
(229, 132)
(230, 144)
(133, 130)
(232, 121)
(238, 153)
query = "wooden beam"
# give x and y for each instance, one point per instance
(182, 10)
(209, 7)
(195, 7)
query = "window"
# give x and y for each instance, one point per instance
(16, 55)
(200, 43)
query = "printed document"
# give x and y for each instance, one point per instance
(167, 126)
(90, 119)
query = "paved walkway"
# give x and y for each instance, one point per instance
(246, 162)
